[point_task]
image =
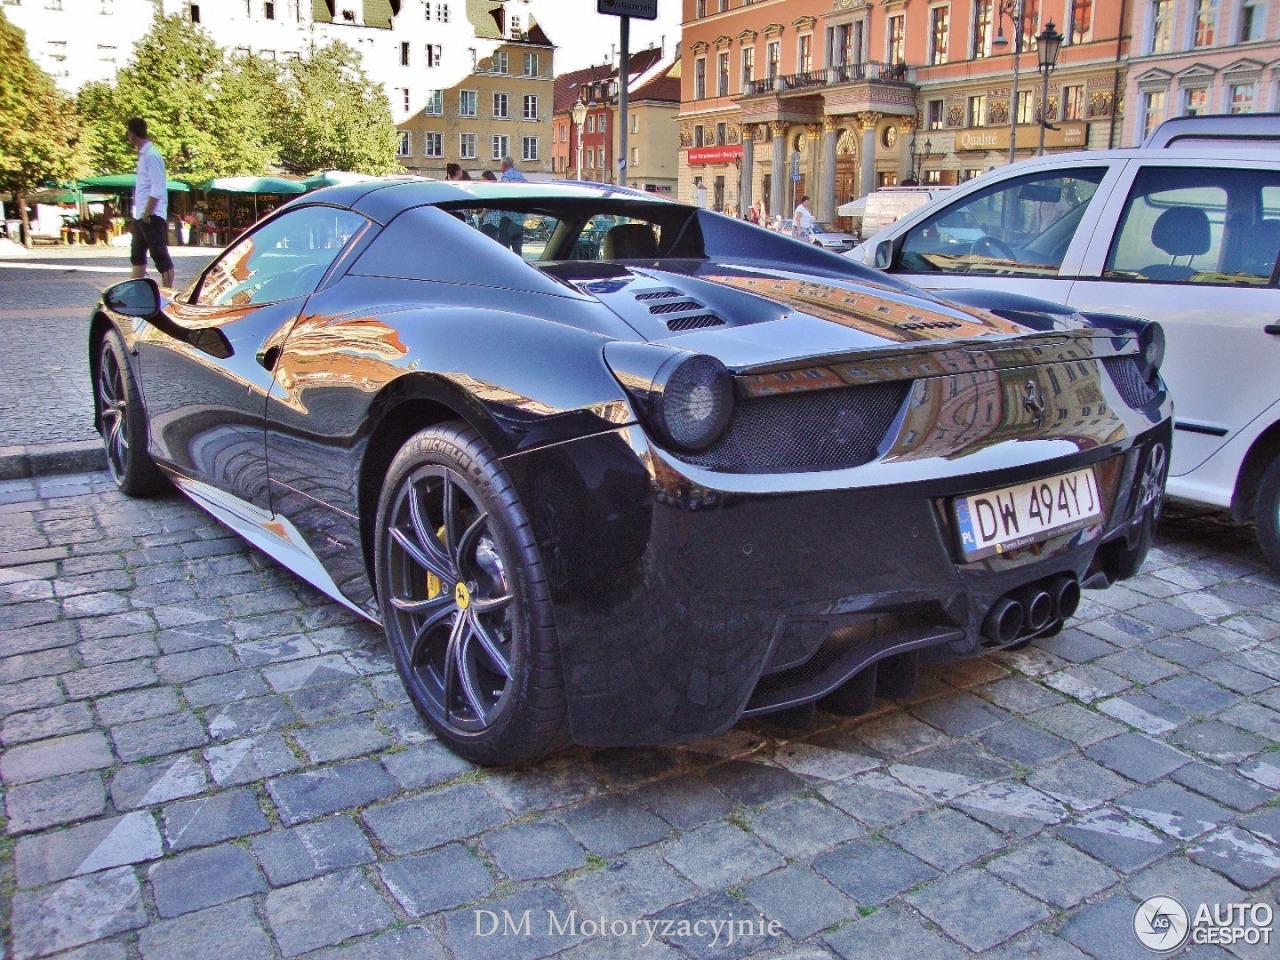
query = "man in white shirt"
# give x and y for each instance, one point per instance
(802, 221)
(150, 206)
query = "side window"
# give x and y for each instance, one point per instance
(608, 237)
(1017, 228)
(1197, 225)
(526, 234)
(282, 259)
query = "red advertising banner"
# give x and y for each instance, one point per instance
(701, 155)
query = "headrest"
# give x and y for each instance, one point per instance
(1182, 232)
(630, 241)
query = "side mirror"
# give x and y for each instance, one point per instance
(884, 254)
(134, 298)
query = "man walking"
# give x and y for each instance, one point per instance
(509, 172)
(150, 206)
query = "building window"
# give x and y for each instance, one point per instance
(635, 156)
(530, 106)
(1161, 26)
(514, 30)
(1195, 102)
(773, 57)
(529, 148)
(724, 5)
(404, 98)
(748, 66)
(1242, 97)
(700, 9)
(700, 78)
(635, 122)
(404, 54)
(697, 135)
(1025, 110)
(897, 39)
(805, 54)
(1253, 20)
(1081, 22)
(442, 12)
(403, 144)
(939, 31)
(982, 23)
(591, 156)
(591, 123)
(531, 65)
(937, 114)
(978, 111)
(435, 55)
(722, 75)
(1152, 111)
(467, 103)
(722, 134)
(195, 13)
(435, 103)
(1073, 102)
(501, 107)
(433, 144)
(466, 146)
(1206, 19)
(602, 123)
(269, 10)
(500, 143)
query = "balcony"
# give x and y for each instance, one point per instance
(868, 71)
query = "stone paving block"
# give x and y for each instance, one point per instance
(43, 636)
(1218, 742)
(894, 932)
(1264, 824)
(1077, 724)
(153, 738)
(1137, 757)
(1019, 742)
(801, 901)
(687, 801)
(1194, 694)
(88, 848)
(1222, 786)
(614, 824)
(872, 871)
(527, 925)
(434, 819)
(1174, 810)
(554, 783)
(403, 943)
(1234, 677)
(637, 885)
(803, 827)
(146, 784)
(192, 611)
(750, 931)
(108, 678)
(822, 761)
(29, 695)
(425, 765)
(946, 839)
(1012, 808)
(1264, 770)
(949, 772)
(193, 636)
(1087, 682)
(1075, 646)
(961, 714)
(316, 793)
(332, 700)
(274, 649)
(1182, 651)
(52, 758)
(305, 852)
(1019, 695)
(531, 851)
(1053, 872)
(1079, 782)
(58, 800)
(977, 909)
(1241, 857)
(104, 650)
(404, 723)
(326, 911)
(719, 855)
(429, 882)
(625, 768)
(1105, 930)
(248, 718)
(875, 799)
(1255, 718)
(102, 950)
(341, 739)
(75, 912)
(1145, 712)
(300, 674)
(223, 816)
(1119, 841)
(229, 930)
(898, 735)
(1139, 666)
(204, 878)
(121, 708)
(251, 759)
(603, 949)
(224, 688)
(1041, 946)
(57, 721)
(1189, 883)
(193, 664)
(754, 784)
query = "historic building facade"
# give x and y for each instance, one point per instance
(834, 98)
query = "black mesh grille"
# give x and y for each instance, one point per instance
(677, 306)
(657, 295)
(1128, 379)
(815, 429)
(694, 322)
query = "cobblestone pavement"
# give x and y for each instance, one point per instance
(203, 757)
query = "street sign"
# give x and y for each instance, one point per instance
(644, 9)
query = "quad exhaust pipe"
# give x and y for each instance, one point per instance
(1030, 610)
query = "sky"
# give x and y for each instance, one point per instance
(583, 37)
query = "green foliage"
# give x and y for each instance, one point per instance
(40, 132)
(333, 117)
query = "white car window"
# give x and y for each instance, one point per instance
(1198, 225)
(1021, 227)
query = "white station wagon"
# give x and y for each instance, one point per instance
(1186, 235)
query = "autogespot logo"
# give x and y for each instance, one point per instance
(1161, 924)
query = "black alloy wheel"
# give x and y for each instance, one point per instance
(465, 602)
(124, 422)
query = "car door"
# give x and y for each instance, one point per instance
(1026, 231)
(204, 378)
(1193, 244)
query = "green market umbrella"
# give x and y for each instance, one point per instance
(255, 185)
(124, 182)
(66, 195)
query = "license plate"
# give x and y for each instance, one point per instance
(1001, 520)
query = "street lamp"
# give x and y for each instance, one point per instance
(579, 113)
(918, 159)
(1048, 43)
(1016, 12)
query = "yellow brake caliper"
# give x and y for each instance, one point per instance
(435, 586)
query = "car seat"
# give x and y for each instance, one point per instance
(1179, 232)
(630, 241)
(1264, 246)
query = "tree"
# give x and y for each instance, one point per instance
(40, 133)
(204, 113)
(333, 116)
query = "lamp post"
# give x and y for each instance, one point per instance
(918, 159)
(1048, 43)
(579, 113)
(1016, 11)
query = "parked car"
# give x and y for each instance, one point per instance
(629, 492)
(829, 238)
(1187, 234)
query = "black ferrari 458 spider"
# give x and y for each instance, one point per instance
(610, 469)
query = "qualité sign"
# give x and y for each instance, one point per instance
(644, 9)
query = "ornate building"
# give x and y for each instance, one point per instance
(834, 98)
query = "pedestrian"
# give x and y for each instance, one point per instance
(489, 175)
(802, 220)
(454, 171)
(509, 172)
(150, 206)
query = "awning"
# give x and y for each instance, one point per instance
(67, 195)
(123, 182)
(258, 185)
